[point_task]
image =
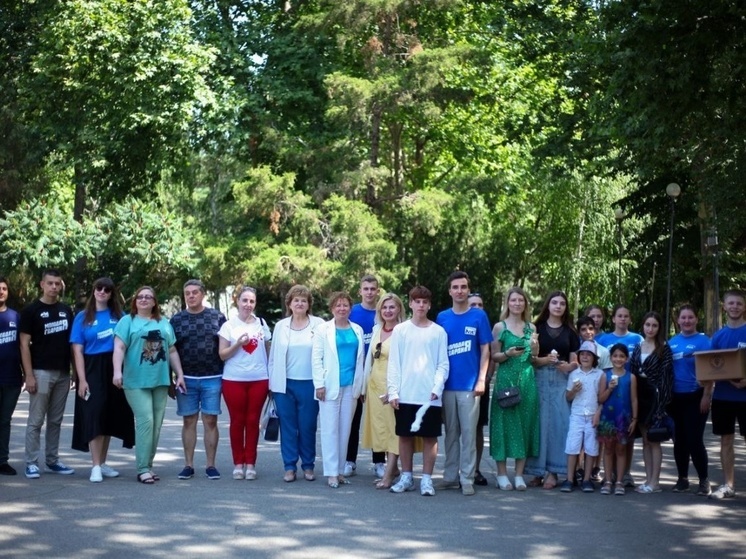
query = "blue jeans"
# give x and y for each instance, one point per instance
(202, 394)
(298, 412)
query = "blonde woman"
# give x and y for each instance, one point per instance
(379, 424)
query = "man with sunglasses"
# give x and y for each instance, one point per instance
(196, 330)
(469, 338)
(45, 356)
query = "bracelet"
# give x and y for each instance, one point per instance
(634, 419)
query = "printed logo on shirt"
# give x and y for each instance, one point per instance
(470, 330)
(12, 324)
(54, 327)
(367, 338)
(8, 337)
(741, 344)
(105, 334)
(44, 314)
(63, 314)
(460, 347)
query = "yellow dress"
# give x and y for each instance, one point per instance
(379, 424)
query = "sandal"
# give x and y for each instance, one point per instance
(607, 487)
(333, 482)
(289, 476)
(146, 478)
(550, 481)
(538, 481)
(343, 481)
(308, 475)
(504, 483)
(155, 476)
(520, 485)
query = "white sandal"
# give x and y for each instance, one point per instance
(504, 483)
(520, 485)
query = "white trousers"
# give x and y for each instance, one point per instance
(335, 417)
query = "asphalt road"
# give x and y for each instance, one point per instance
(67, 516)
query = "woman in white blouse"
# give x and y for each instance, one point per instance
(291, 383)
(338, 382)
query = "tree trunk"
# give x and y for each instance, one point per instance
(79, 294)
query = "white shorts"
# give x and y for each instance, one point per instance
(581, 434)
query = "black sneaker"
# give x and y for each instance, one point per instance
(7, 470)
(588, 487)
(479, 479)
(704, 488)
(566, 486)
(682, 486)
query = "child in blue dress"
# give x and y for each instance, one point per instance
(617, 392)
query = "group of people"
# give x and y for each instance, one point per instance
(565, 393)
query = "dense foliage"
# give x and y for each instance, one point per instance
(276, 142)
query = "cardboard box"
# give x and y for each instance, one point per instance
(720, 364)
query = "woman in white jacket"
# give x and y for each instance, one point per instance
(338, 382)
(291, 383)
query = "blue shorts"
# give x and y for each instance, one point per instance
(203, 394)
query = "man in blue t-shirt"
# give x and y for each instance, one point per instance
(196, 329)
(729, 397)
(364, 315)
(11, 376)
(469, 338)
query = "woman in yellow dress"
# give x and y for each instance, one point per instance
(378, 419)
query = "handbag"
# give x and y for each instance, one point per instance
(508, 397)
(270, 421)
(662, 430)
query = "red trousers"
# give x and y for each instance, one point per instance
(245, 401)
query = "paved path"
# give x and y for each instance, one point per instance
(67, 516)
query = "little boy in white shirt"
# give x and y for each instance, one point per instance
(582, 391)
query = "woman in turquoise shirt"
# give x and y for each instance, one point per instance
(144, 353)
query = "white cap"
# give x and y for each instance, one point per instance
(589, 347)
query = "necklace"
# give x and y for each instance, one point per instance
(308, 322)
(388, 329)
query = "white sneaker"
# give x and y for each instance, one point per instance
(380, 469)
(350, 468)
(238, 472)
(96, 475)
(404, 484)
(108, 471)
(426, 488)
(725, 491)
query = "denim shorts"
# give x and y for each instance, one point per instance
(202, 394)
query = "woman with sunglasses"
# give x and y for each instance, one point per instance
(379, 424)
(144, 354)
(101, 409)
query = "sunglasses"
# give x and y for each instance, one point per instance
(144, 297)
(377, 352)
(104, 288)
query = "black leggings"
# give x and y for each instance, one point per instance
(689, 435)
(354, 439)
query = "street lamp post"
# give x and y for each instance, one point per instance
(673, 190)
(619, 215)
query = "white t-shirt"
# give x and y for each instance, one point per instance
(298, 360)
(418, 363)
(250, 361)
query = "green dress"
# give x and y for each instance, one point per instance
(514, 432)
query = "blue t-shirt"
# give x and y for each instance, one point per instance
(467, 332)
(97, 337)
(729, 338)
(10, 352)
(366, 319)
(347, 355)
(630, 339)
(683, 348)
